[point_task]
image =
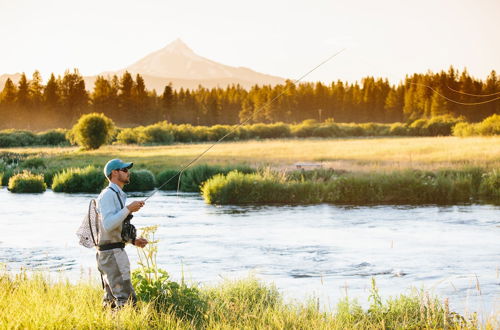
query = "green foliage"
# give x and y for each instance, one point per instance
(152, 284)
(92, 130)
(488, 127)
(27, 182)
(33, 163)
(12, 138)
(401, 187)
(194, 177)
(166, 175)
(159, 133)
(490, 186)
(55, 137)
(140, 180)
(72, 180)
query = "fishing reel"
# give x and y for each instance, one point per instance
(129, 233)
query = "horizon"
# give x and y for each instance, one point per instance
(387, 40)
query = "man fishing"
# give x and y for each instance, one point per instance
(114, 231)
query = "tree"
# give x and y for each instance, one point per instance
(92, 131)
(74, 97)
(167, 103)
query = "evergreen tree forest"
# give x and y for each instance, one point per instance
(34, 105)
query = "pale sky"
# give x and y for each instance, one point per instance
(383, 38)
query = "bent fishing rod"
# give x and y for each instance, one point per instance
(179, 173)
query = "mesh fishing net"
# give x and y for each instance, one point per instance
(89, 229)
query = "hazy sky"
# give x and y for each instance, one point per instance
(387, 38)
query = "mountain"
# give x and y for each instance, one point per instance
(178, 64)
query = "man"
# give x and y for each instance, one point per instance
(112, 260)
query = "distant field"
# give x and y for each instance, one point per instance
(353, 154)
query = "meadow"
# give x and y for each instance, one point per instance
(350, 154)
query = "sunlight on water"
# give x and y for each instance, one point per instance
(321, 250)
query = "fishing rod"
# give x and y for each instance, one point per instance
(454, 101)
(239, 125)
(475, 95)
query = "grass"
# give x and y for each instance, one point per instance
(36, 301)
(352, 154)
(399, 187)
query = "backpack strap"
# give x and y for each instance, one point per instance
(118, 196)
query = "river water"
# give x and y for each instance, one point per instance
(320, 251)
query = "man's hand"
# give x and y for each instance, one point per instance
(135, 206)
(140, 242)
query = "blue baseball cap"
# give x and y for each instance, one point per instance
(115, 164)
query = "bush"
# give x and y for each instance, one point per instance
(489, 126)
(463, 129)
(127, 136)
(398, 129)
(164, 176)
(27, 182)
(194, 177)
(56, 137)
(92, 131)
(73, 180)
(155, 134)
(140, 180)
(12, 138)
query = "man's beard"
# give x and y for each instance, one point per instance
(126, 180)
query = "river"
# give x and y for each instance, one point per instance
(322, 251)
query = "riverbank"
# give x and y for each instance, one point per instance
(34, 302)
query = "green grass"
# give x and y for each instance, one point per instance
(36, 301)
(27, 182)
(399, 187)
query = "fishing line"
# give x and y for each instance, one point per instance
(476, 95)
(239, 125)
(453, 101)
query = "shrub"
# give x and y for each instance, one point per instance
(13, 138)
(72, 180)
(127, 136)
(489, 126)
(27, 182)
(398, 129)
(441, 125)
(56, 137)
(463, 129)
(166, 175)
(155, 134)
(194, 177)
(92, 131)
(140, 180)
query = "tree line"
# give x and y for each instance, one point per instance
(30, 104)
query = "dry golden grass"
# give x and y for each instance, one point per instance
(355, 154)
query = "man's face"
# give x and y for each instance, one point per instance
(123, 175)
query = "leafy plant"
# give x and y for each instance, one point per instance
(153, 284)
(27, 182)
(92, 131)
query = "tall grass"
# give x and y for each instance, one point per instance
(400, 187)
(35, 301)
(27, 182)
(73, 180)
